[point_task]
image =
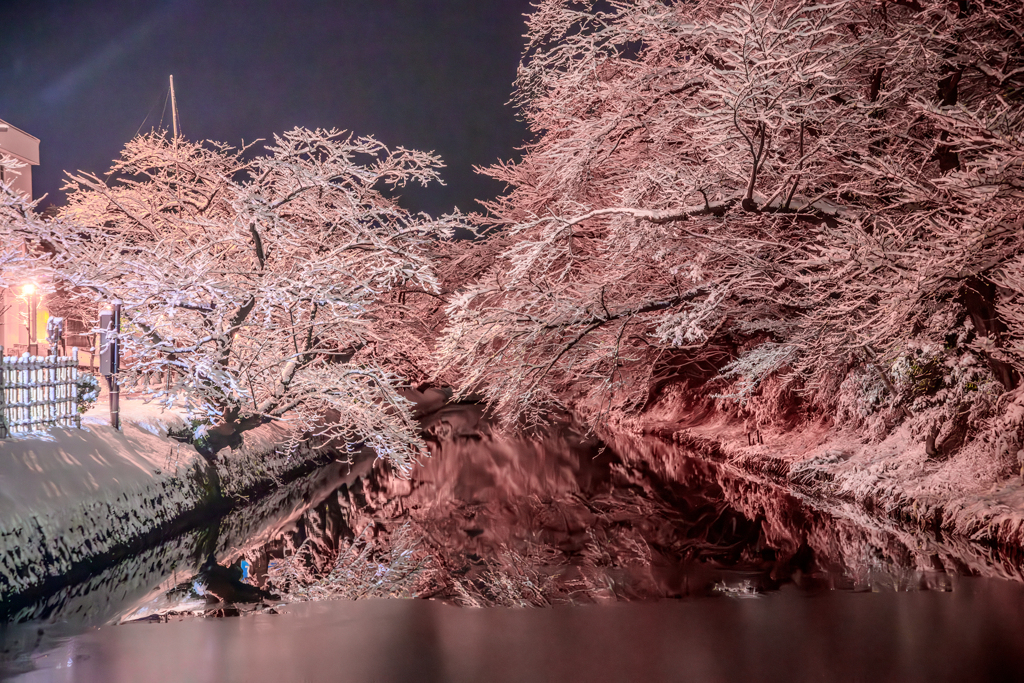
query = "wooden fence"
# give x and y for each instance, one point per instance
(38, 392)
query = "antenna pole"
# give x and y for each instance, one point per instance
(174, 109)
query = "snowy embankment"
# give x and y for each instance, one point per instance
(893, 479)
(75, 500)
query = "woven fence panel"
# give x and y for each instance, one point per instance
(38, 392)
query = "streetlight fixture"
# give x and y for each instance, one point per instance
(29, 292)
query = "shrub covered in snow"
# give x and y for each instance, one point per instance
(88, 391)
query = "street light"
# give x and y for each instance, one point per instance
(29, 292)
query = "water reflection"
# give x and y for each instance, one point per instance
(147, 582)
(496, 520)
(973, 634)
(563, 518)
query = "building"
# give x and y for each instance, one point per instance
(23, 147)
(20, 302)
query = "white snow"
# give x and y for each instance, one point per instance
(68, 494)
(58, 468)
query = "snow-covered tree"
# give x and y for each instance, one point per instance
(708, 176)
(250, 283)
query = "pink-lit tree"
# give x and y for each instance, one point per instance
(251, 284)
(805, 185)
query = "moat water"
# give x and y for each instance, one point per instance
(547, 558)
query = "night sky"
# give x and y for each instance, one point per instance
(427, 74)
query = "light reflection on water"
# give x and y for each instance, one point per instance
(972, 634)
(556, 520)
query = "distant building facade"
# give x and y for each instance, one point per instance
(23, 147)
(18, 303)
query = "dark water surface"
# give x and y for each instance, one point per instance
(626, 561)
(971, 634)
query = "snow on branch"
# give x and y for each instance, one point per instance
(836, 168)
(250, 282)
(753, 367)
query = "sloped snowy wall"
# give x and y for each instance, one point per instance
(45, 543)
(43, 546)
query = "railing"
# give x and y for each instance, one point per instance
(37, 392)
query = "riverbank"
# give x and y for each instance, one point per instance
(555, 519)
(892, 479)
(75, 501)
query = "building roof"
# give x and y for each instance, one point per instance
(16, 142)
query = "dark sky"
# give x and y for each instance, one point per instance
(427, 74)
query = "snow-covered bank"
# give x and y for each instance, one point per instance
(73, 501)
(893, 479)
(860, 550)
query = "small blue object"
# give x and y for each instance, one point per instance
(245, 569)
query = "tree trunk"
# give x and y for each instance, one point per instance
(228, 434)
(979, 297)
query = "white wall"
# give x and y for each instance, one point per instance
(24, 147)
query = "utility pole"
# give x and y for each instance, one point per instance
(110, 358)
(174, 109)
(115, 386)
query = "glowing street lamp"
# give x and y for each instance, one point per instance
(29, 292)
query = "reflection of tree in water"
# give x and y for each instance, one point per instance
(491, 519)
(361, 568)
(496, 520)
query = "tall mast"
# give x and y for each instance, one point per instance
(174, 109)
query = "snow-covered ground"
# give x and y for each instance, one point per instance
(59, 468)
(64, 466)
(68, 495)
